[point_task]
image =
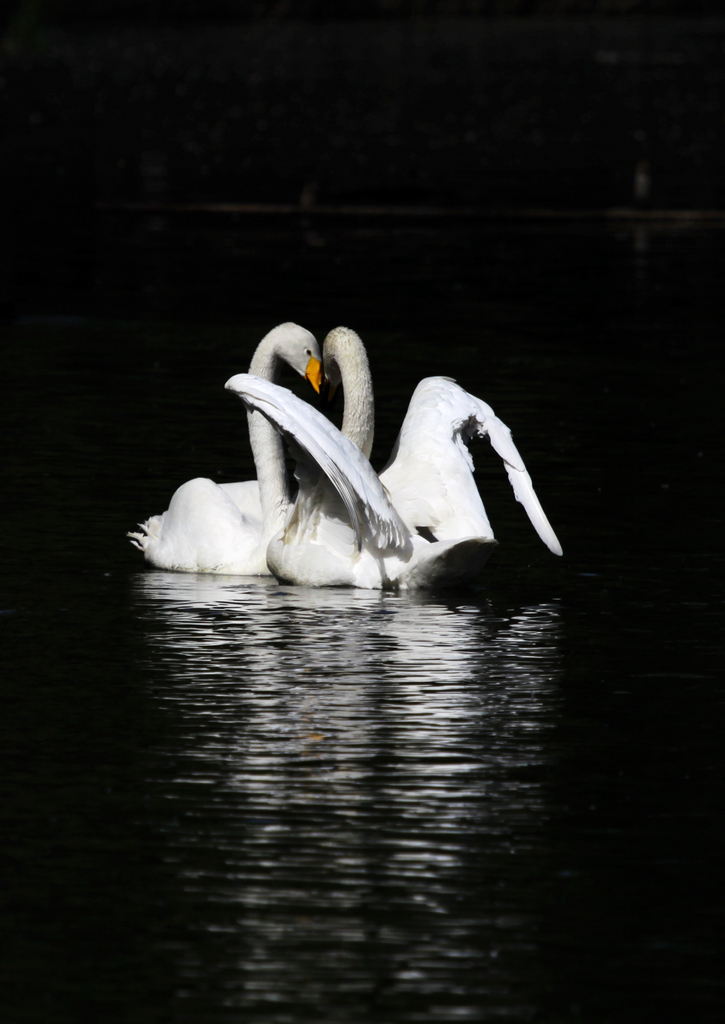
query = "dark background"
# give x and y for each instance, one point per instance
(484, 108)
(457, 182)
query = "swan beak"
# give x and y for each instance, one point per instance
(328, 392)
(313, 373)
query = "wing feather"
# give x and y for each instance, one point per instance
(372, 516)
(431, 467)
(502, 443)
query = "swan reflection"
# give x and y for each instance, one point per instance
(353, 771)
(412, 672)
(362, 634)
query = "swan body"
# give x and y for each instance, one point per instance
(225, 528)
(342, 529)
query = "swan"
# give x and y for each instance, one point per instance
(429, 475)
(343, 529)
(225, 528)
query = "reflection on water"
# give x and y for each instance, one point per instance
(357, 792)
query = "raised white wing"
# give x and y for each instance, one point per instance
(502, 443)
(430, 472)
(429, 475)
(341, 461)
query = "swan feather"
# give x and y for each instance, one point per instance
(371, 514)
(429, 475)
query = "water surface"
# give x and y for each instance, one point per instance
(226, 800)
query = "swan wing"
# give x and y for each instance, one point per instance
(502, 443)
(245, 495)
(430, 472)
(339, 459)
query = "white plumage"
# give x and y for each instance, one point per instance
(343, 529)
(429, 474)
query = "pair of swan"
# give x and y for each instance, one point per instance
(421, 523)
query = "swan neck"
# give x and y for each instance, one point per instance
(358, 420)
(267, 446)
(266, 361)
(268, 454)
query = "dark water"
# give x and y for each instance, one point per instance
(224, 800)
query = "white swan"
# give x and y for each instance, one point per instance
(429, 474)
(225, 528)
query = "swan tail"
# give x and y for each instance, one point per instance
(449, 563)
(150, 532)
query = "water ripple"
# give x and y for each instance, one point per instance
(357, 777)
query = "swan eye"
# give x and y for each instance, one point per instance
(308, 351)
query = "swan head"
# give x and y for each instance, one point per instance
(291, 344)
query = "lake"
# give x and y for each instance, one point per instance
(227, 800)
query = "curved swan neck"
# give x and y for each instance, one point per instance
(346, 362)
(267, 361)
(266, 443)
(268, 453)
